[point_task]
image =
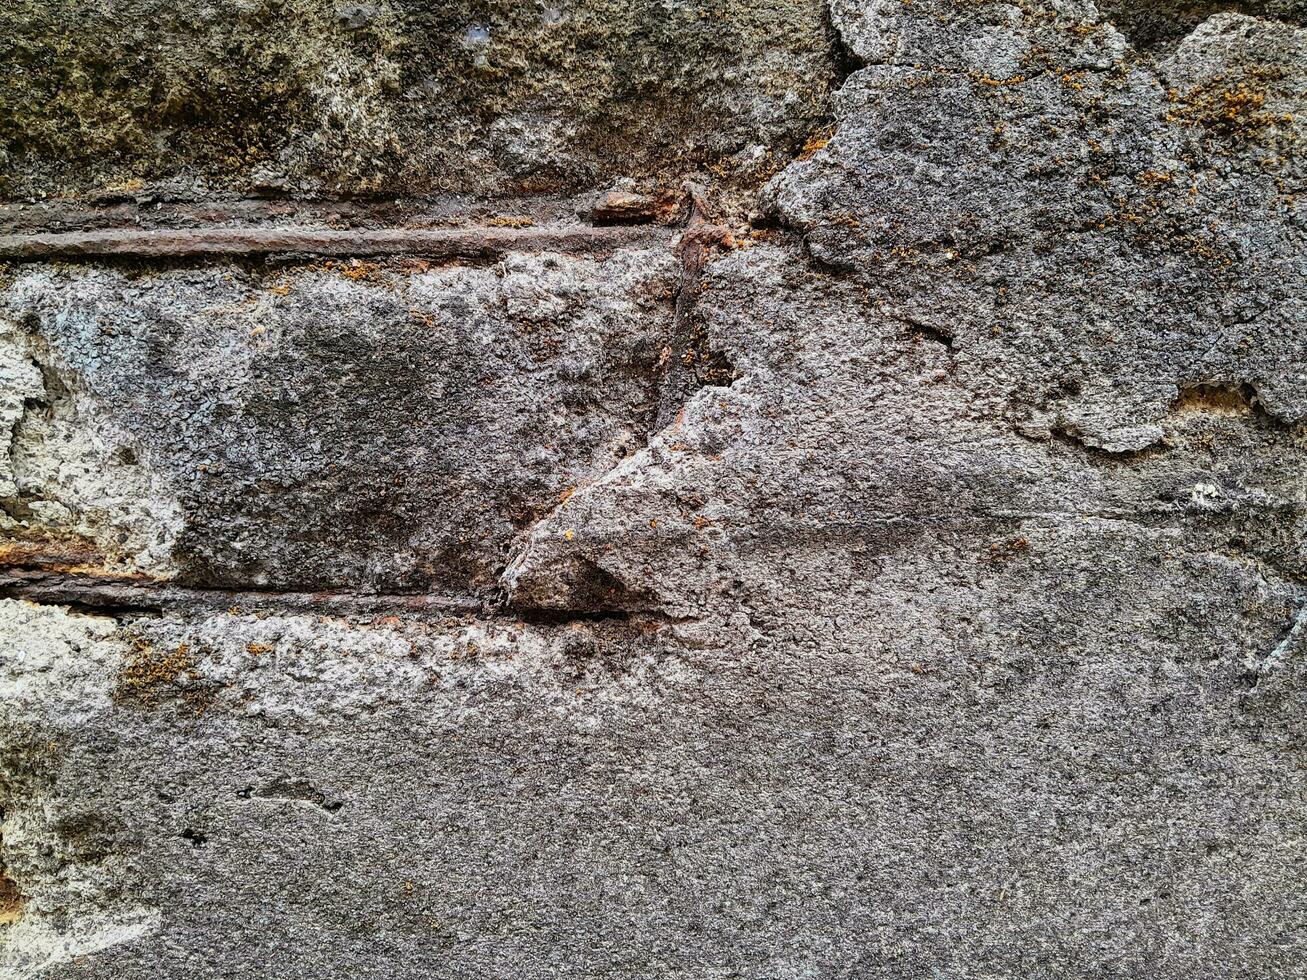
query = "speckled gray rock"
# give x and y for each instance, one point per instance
(954, 624)
(401, 96)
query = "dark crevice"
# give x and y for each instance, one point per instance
(451, 244)
(1069, 435)
(292, 789)
(925, 330)
(1159, 26)
(565, 617)
(593, 596)
(845, 61)
(561, 617)
(824, 266)
(108, 610)
(575, 587)
(1216, 398)
(128, 597)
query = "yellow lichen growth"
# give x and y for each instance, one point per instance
(1232, 111)
(1152, 178)
(816, 143)
(510, 221)
(355, 270)
(150, 673)
(1072, 80)
(130, 186)
(1001, 551)
(989, 82)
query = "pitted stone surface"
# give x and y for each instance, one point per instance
(1091, 234)
(350, 425)
(401, 96)
(953, 625)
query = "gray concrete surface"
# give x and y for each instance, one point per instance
(887, 564)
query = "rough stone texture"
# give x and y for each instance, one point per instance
(893, 569)
(1090, 233)
(400, 95)
(321, 427)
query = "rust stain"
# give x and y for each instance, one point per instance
(52, 552)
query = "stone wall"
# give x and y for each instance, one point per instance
(653, 489)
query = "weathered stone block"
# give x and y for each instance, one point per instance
(867, 546)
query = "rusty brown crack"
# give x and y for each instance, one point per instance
(701, 234)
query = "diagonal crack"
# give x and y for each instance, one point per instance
(1277, 656)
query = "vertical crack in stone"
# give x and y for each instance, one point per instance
(845, 60)
(684, 360)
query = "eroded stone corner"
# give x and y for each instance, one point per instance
(75, 494)
(66, 865)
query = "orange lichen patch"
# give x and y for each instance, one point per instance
(1212, 400)
(667, 204)
(281, 289)
(510, 221)
(1234, 111)
(816, 142)
(1001, 551)
(129, 186)
(149, 669)
(989, 82)
(258, 649)
(1153, 178)
(356, 270)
